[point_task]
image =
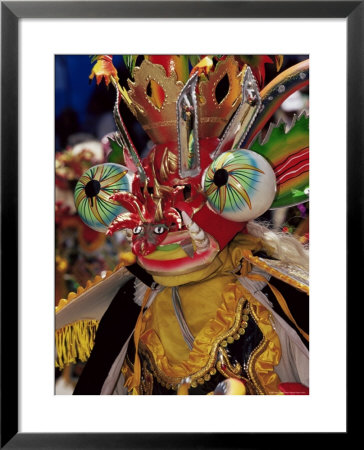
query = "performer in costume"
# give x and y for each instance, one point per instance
(205, 302)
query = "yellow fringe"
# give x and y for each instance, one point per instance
(75, 342)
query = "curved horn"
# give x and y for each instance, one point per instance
(127, 220)
(198, 235)
(172, 215)
(130, 202)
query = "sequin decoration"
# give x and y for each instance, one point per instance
(92, 194)
(240, 185)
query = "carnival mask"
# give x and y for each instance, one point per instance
(206, 175)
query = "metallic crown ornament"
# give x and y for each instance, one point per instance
(215, 113)
(159, 120)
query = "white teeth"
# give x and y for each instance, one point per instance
(198, 235)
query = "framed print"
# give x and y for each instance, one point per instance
(36, 39)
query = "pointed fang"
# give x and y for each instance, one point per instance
(198, 235)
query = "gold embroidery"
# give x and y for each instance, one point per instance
(259, 370)
(209, 369)
(225, 367)
(294, 276)
(251, 366)
(219, 361)
(146, 381)
(263, 359)
(228, 370)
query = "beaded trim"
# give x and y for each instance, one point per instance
(229, 370)
(218, 360)
(146, 382)
(250, 365)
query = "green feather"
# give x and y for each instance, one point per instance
(130, 61)
(279, 146)
(117, 153)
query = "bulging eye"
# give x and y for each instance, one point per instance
(92, 194)
(159, 229)
(240, 185)
(137, 230)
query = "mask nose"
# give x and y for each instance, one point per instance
(148, 242)
(143, 247)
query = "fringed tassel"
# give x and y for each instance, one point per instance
(75, 342)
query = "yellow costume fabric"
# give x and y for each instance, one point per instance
(210, 306)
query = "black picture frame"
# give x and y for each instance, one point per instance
(11, 12)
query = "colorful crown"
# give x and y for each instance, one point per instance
(156, 111)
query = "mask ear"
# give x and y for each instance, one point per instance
(287, 150)
(93, 191)
(240, 185)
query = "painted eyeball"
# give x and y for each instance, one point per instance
(92, 194)
(240, 185)
(137, 230)
(160, 229)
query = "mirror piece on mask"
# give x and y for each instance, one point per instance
(243, 117)
(187, 129)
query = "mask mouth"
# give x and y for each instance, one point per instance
(173, 238)
(191, 238)
(179, 254)
(182, 240)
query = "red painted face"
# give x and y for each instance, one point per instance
(150, 221)
(147, 237)
(191, 198)
(173, 228)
